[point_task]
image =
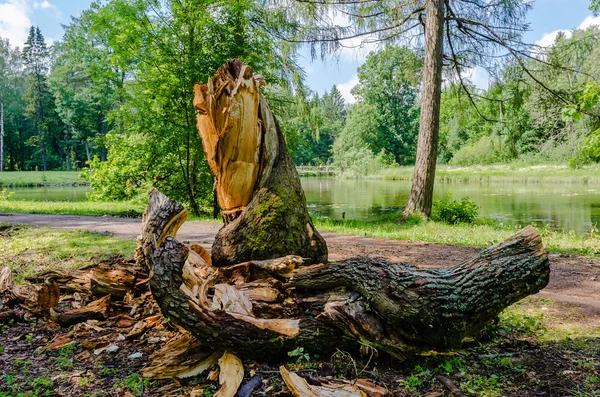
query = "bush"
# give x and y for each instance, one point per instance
(486, 150)
(454, 211)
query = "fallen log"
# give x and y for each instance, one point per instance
(96, 310)
(257, 186)
(393, 307)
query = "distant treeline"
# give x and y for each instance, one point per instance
(114, 97)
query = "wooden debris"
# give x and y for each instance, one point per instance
(68, 280)
(231, 374)
(454, 391)
(249, 387)
(114, 281)
(180, 357)
(300, 387)
(96, 310)
(6, 280)
(370, 388)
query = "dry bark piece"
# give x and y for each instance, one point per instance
(231, 374)
(256, 183)
(57, 343)
(6, 280)
(249, 387)
(454, 391)
(116, 281)
(96, 310)
(300, 387)
(68, 280)
(180, 357)
(370, 388)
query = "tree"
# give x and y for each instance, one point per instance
(389, 82)
(40, 104)
(464, 33)
(163, 48)
(8, 62)
(86, 86)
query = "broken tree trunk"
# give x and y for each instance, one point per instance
(256, 183)
(270, 307)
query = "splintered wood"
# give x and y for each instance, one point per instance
(256, 184)
(228, 122)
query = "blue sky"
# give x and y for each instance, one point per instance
(546, 19)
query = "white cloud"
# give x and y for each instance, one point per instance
(589, 21)
(14, 21)
(548, 39)
(346, 87)
(44, 5)
(478, 77)
(354, 49)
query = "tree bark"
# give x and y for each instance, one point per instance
(421, 194)
(270, 307)
(2, 135)
(257, 186)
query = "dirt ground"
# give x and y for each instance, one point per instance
(546, 345)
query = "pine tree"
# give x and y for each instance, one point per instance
(36, 61)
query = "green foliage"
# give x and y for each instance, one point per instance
(5, 194)
(454, 211)
(486, 150)
(382, 127)
(300, 355)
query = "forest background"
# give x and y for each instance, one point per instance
(113, 98)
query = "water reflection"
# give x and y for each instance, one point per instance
(562, 206)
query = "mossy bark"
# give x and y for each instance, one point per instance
(267, 308)
(257, 186)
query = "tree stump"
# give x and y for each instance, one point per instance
(268, 289)
(266, 308)
(257, 186)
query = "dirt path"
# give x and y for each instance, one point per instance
(575, 280)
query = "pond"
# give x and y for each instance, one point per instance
(562, 206)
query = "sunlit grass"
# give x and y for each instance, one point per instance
(503, 173)
(28, 250)
(93, 208)
(473, 235)
(39, 178)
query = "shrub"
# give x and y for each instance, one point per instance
(486, 150)
(454, 211)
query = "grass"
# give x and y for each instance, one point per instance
(28, 250)
(481, 234)
(40, 178)
(124, 209)
(503, 173)
(537, 345)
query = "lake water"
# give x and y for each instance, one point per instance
(562, 206)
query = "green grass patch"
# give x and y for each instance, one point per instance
(515, 173)
(480, 234)
(125, 209)
(29, 250)
(40, 178)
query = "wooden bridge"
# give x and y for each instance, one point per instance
(317, 170)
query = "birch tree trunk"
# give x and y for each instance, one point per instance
(421, 193)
